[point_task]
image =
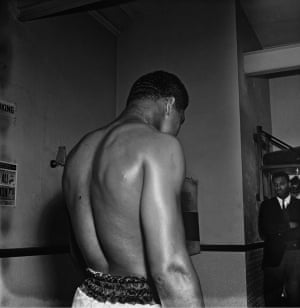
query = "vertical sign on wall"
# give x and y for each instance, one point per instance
(8, 170)
(7, 130)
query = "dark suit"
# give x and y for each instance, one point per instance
(279, 249)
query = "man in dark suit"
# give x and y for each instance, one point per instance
(279, 225)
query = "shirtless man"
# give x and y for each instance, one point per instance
(122, 185)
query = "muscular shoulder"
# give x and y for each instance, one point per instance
(159, 145)
(163, 154)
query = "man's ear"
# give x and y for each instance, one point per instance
(170, 103)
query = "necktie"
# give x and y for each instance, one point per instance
(284, 210)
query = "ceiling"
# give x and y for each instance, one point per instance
(276, 22)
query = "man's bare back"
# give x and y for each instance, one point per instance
(110, 235)
(122, 186)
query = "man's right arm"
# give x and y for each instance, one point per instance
(170, 265)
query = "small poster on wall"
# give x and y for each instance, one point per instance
(8, 183)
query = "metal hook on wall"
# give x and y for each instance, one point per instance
(60, 157)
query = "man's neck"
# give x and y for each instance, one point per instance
(144, 115)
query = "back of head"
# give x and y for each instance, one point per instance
(159, 84)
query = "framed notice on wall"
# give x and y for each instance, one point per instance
(8, 183)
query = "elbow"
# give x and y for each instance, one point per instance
(177, 285)
(176, 268)
(171, 272)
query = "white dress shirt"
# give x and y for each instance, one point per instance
(284, 202)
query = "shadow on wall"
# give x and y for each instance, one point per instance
(49, 280)
(5, 44)
(61, 270)
(53, 226)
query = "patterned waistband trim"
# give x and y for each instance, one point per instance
(118, 289)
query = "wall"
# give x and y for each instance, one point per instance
(197, 41)
(255, 111)
(189, 42)
(285, 97)
(60, 73)
(223, 278)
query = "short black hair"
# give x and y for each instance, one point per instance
(280, 174)
(157, 85)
